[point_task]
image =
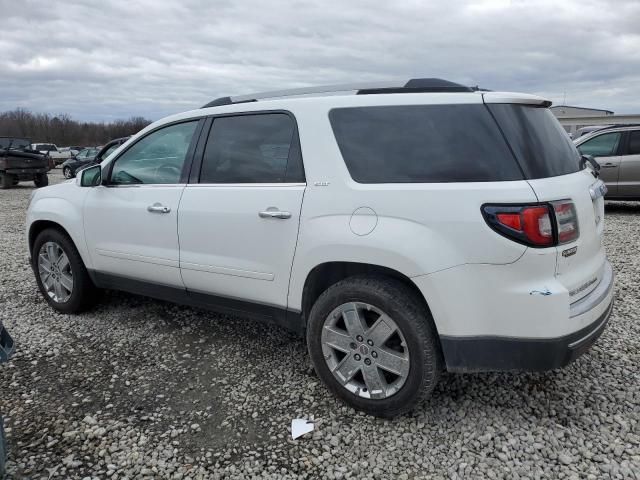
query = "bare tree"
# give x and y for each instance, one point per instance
(63, 130)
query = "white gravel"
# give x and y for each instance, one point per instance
(143, 389)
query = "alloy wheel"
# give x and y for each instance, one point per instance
(67, 172)
(365, 350)
(55, 272)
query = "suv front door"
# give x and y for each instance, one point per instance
(238, 218)
(131, 221)
(605, 147)
(629, 180)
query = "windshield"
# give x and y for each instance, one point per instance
(15, 143)
(110, 150)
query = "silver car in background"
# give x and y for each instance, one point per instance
(617, 150)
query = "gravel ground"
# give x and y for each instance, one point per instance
(143, 389)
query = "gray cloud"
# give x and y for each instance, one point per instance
(105, 60)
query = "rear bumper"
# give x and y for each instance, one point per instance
(495, 353)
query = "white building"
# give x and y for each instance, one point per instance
(575, 118)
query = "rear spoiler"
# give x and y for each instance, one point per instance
(518, 98)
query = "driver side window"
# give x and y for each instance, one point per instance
(156, 159)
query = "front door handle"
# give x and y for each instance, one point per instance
(609, 165)
(158, 208)
(273, 212)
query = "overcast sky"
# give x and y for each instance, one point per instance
(108, 59)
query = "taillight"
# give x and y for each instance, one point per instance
(567, 221)
(538, 225)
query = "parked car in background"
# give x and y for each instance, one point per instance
(404, 228)
(581, 132)
(617, 150)
(90, 156)
(70, 150)
(51, 150)
(81, 159)
(19, 163)
(6, 350)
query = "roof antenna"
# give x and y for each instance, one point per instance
(564, 101)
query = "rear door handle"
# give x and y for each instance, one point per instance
(158, 208)
(272, 212)
(609, 165)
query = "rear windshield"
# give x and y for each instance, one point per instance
(422, 144)
(46, 146)
(14, 143)
(539, 142)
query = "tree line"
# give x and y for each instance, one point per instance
(63, 131)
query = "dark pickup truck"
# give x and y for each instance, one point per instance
(18, 163)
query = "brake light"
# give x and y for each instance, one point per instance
(537, 225)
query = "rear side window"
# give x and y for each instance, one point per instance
(259, 148)
(634, 143)
(422, 144)
(603, 145)
(539, 142)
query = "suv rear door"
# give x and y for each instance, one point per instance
(238, 217)
(629, 180)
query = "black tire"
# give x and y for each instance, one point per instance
(84, 294)
(6, 180)
(66, 171)
(412, 318)
(16, 181)
(41, 180)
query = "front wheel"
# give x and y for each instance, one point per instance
(373, 343)
(60, 273)
(66, 171)
(41, 180)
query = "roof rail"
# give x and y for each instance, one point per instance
(415, 85)
(618, 125)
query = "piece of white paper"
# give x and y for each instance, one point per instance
(300, 426)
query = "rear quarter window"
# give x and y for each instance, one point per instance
(422, 144)
(539, 142)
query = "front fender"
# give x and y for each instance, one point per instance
(65, 213)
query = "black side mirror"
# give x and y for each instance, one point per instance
(91, 176)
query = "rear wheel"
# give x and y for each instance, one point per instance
(41, 180)
(66, 171)
(372, 342)
(60, 273)
(6, 180)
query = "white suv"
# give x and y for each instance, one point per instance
(404, 228)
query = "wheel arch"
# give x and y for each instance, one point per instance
(326, 274)
(39, 226)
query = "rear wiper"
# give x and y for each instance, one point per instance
(595, 165)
